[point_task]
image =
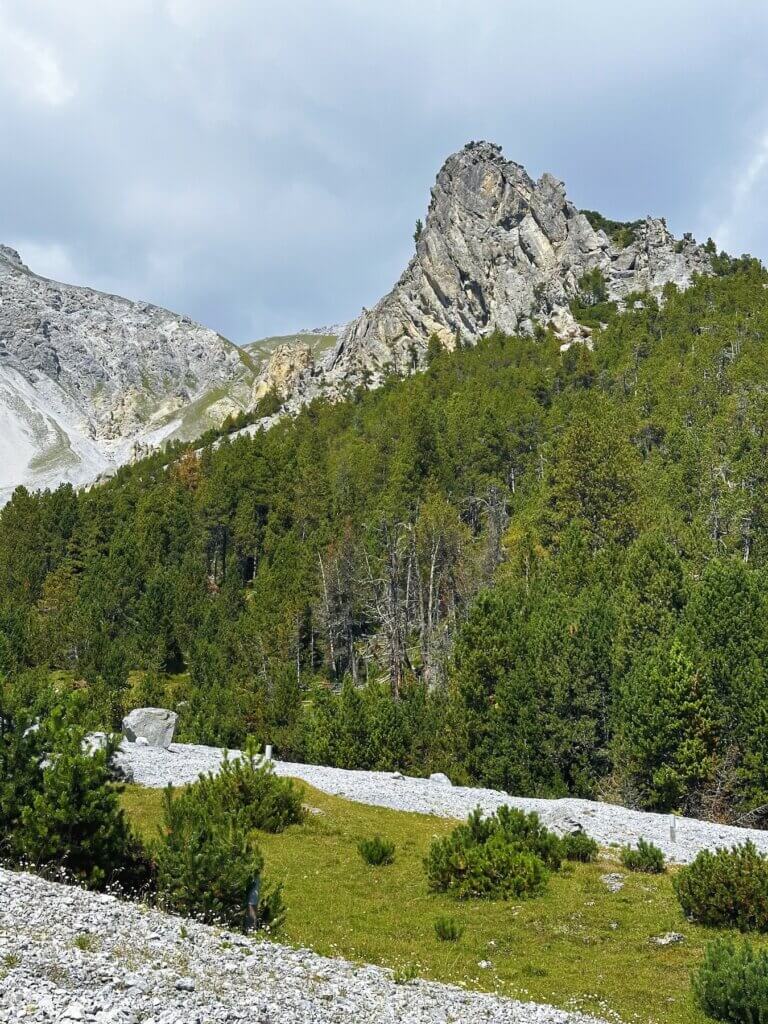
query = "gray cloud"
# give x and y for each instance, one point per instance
(260, 165)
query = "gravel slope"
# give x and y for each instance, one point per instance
(69, 955)
(608, 823)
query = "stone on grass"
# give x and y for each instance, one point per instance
(155, 725)
(614, 882)
(668, 939)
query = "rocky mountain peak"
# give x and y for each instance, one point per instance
(9, 255)
(501, 250)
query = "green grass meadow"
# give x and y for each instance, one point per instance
(579, 946)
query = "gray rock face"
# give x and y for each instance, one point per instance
(154, 725)
(500, 250)
(88, 380)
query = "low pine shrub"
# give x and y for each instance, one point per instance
(207, 862)
(207, 855)
(579, 846)
(59, 809)
(448, 929)
(507, 855)
(726, 888)
(377, 852)
(644, 857)
(251, 793)
(732, 983)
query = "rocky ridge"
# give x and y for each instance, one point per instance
(88, 379)
(67, 955)
(499, 250)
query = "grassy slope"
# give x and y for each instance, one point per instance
(578, 946)
(262, 349)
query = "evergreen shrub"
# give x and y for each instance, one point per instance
(726, 888)
(732, 983)
(207, 862)
(377, 852)
(208, 857)
(506, 855)
(59, 809)
(645, 857)
(579, 846)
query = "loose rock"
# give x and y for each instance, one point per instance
(141, 974)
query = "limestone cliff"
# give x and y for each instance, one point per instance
(499, 249)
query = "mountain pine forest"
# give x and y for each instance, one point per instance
(534, 567)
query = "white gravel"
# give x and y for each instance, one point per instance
(71, 956)
(609, 824)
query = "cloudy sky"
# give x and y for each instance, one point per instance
(260, 166)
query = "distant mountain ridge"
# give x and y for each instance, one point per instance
(89, 380)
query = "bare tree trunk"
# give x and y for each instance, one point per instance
(328, 615)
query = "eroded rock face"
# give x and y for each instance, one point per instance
(500, 250)
(88, 379)
(155, 725)
(124, 363)
(283, 369)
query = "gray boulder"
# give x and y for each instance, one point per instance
(440, 778)
(155, 725)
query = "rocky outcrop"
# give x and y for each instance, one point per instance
(500, 250)
(283, 369)
(87, 379)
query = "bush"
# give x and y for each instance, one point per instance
(21, 776)
(448, 929)
(578, 846)
(377, 852)
(58, 807)
(251, 793)
(732, 983)
(508, 854)
(208, 858)
(207, 863)
(644, 857)
(726, 888)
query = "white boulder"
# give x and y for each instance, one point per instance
(440, 778)
(155, 725)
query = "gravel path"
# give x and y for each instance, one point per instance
(609, 824)
(71, 956)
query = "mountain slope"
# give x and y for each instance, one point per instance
(88, 379)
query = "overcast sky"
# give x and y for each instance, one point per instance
(260, 166)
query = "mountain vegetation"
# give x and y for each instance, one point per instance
(540, 570)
